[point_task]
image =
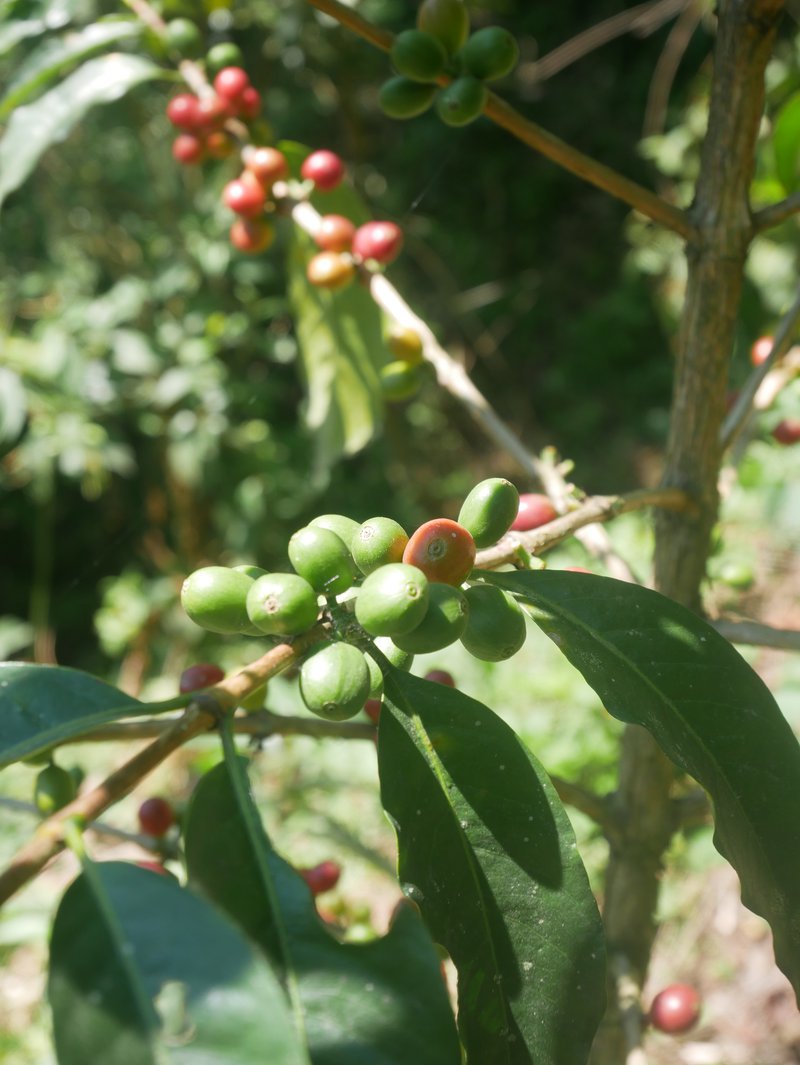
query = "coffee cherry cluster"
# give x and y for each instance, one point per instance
(343, 246)
(379, 594)
(201, 120)
(442, 45)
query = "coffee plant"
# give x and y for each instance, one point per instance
(222, 953)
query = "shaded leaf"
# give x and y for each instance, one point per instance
(13, 406)
(47, 15)
(41, 706)
(142, 972)
(55, 54)
(786, 143)
(35, 127)
(378, 1003)
(656, 664)
(488, 853)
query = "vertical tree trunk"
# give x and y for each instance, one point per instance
(716, 258)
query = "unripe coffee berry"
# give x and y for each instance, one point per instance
(266, 164)
(489, 510)
(156, 817)
(534, 510)
(334, 681)
(418, 55)
(496, 626)
(324, 168)
(378, 542)
(225, 54)
(490, 53)
(188, 149)
(246, 198)
(282, 604)
(215, 598)
(443, 550)
(200, 675)
(392, 600)
(405, 344)
(335, 233)
(182, 36)
(323, 559)
(330, 270)
(399, 381)
(54, 788)
(182, 111)
(462, 101)
(230, 83)
(380, 241)
(676, 1009)
(402, 98)
(448, 20)
(444, 622)
(252, 235)
(394, 655)
(344, 527)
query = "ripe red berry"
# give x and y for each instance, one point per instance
(188, 149)
(335, 233)
(787, 432)
(156, 816)
(250, 103)
(182, 111)
(246, 198)
(324, 168)
(251, 235)
(443, 550)
(322, 877)
(267, 165)
(212, 111)
(534, 510)
(219, 145)
(230, 83)
(760, 350)
(200, 675)
(372, 708)
(440, 676)
(380, 241)
(675, 1009)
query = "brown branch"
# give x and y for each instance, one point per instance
(776, 213)
(547, 144)
(200, 716)
(597, 807)
(596, 509)
(755, 634)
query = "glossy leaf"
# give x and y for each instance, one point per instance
(57, 53)
(143, 972)
(35, 127)
(656, 664)
(41, 706)
(341, 347)
(786, 143)
(378, 1003)
(488, 853)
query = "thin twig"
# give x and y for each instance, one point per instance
(597, 807)
(667, 66)
(102, 828)
(776, 213)
(629, 996)
(557, 151)
(755, 634)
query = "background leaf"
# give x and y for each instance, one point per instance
(378, 1003)
(35, 127)
(488, 853)
(143, 972)
(786, 143)
(656, 664)
(44, 705)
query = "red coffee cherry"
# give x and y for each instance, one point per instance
(330, 270)
(267, 165)
(322, 877)
(200, 675)
(188, 149)
(230, 83)
(324, 168)
(212, 112)
(787, 432)
(250, 103)
(534, 510)
(440, 676)
(219, 145)
(335, 233)
(251, 235)
(156, 816)
(372, 708)
(443, 550)
(246, 198)
(676, 1009)
(182, 111)
(380, 241)
(760, 350)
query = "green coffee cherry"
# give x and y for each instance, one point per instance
(282, 604)
(323, 559)
(225, 54)
(403, 98)
(444, 622)
(255, 700)
(183, 36)
(375, 678)
(399, 380)
(393, 654)
(392, 600)
(490, 54)
(462, 101)
(418, 55)
(446, 19)
(377, 542)
(335, 681)
(496, 626)
(253, 572)
(215, 598)
(54, 788)
(344, 527)
(489, 510)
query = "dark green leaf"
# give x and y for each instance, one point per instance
(379, 1003)
(488, 853)
(653, 663)
(786, 144)
(37, 126)
(57, 53)
(44, 705)
(341, 347)
(143, 972)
